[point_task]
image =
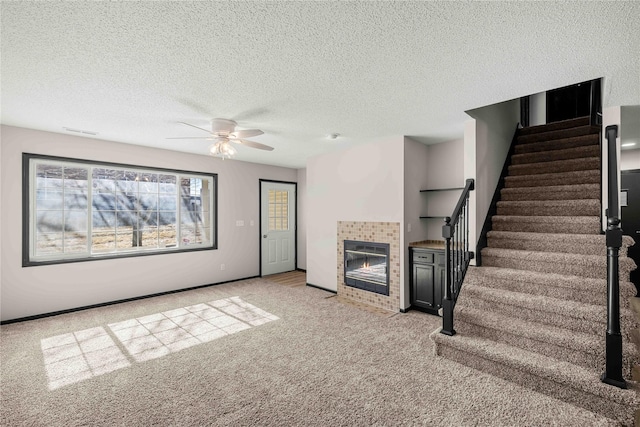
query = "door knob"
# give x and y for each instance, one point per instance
(264, 235)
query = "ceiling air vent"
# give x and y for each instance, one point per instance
(86, 132)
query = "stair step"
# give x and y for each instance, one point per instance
(557, 144)
(558, 286)
(586, 350)
(572, 315)
(591, 266)
(550, 207)
(586, 244)
(591, 176)
(556, 166)
(556, 134)
(563, 124)
(555, 155)
(561, 380)
(553, 192)
(547, 224)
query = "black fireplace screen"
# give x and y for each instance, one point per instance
(366, 266)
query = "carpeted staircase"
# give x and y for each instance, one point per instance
(535, 312)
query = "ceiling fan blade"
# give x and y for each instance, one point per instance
(246, 133)
(206, 130)
(252, 144)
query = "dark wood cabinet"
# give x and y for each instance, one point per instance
(427, 279)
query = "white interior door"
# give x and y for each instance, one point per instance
(278, 227)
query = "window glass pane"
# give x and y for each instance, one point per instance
(167, 203)
(150, 237)
(75, 242)
(47, 198)
(103, 180)
(75, 200)
(49, 176)
(49, 221)
(167, 234)
(167, 184)
(75, 221)
(48, 243)
(75, 178)
(103, 240)
(148, 183)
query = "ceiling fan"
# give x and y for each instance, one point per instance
(223, 131)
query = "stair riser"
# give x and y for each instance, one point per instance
(543, 194)
(574, 210)
(546, 227)
(595, 328)
(554, 135)
(548, 246)
(555, 167)
(594, 361)
(556, 155)
(587, 295)
(623, 413)
(589, 271)
(584, 177)
(548, 127)
(560, 144)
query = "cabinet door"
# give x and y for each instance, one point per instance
(423, 289)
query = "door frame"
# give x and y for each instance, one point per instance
(295, 219)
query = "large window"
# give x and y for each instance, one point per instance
(79, 210)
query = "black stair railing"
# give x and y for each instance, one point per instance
(457, 255)
(613, 353)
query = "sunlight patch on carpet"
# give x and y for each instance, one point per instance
(77, 356)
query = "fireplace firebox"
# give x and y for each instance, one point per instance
(366, 266)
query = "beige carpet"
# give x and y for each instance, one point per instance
(252, 353)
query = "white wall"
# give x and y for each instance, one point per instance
(302, 219)
(487, 142)
(362, 183)
(629, 159)
(42, 289)
(630, 133)
(445, 170)
(416, 172)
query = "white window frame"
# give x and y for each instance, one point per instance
(30, 222)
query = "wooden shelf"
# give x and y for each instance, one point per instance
(439, 217)
(442, 189)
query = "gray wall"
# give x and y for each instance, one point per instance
(42, 289)
(487, 140)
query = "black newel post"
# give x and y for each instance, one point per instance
(613, 369)
(447, 302)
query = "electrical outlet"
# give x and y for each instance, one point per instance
(221, 266)
(251, 223)
(409, 228)
(239, 223)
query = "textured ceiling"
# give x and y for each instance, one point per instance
(300, 70)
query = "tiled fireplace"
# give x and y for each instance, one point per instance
(366, 243)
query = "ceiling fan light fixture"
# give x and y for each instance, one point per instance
(222, 149)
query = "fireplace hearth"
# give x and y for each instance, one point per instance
(366, 266)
